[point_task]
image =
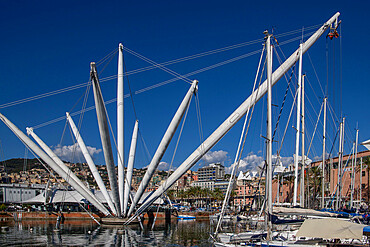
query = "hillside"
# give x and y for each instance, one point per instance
(17, 165)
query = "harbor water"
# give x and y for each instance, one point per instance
(88, 233)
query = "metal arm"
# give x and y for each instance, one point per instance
(232, 119)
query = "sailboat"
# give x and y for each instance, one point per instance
(246, 237)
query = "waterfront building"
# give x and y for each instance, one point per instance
(211, 177)
(285, 183)
(248, 189)
(18, 193)
(211, 172)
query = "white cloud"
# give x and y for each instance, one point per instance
(215, 157)
(164, 166)
(253, 162)
(73, 152)
(249, 163)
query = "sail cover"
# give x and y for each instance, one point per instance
(330, 229)
(301, 211)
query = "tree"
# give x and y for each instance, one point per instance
(217, 195)
(171, 194)
(314, 182)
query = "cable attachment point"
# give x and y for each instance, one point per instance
(333, 33)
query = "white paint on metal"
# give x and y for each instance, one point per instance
(91, 164)
(120, 127)
(105, 137)
(61, 172)
(298, 129)
(130, 167)
(164, 144)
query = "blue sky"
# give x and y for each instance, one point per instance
(49, 45)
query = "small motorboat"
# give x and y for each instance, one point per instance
(185, 217)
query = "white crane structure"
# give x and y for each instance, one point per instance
(105, 138)
(130, 167)
(120, 128)
(164, 144)
(91, 164)
(118, 199)
(232, 119)
(60, 171)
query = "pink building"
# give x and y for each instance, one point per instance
(314, 177)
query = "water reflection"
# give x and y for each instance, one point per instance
(87, 233)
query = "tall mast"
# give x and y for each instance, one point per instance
(298, 126)
(164, 144)
(341, 164)
(303, 152)
(120, 127)
(231, 120)
(352, 176)
(91, 164)
(354, 169)
(61, 172)
(130, 167)
(341, 135)
(105, 137)
(269, 137)
(323, 159)
(361, 180)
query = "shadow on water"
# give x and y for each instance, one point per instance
(87, 233)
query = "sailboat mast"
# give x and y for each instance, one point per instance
(361, 180)
(269, 137)
(323, 158)
(298, 126)
(120, 127)
(352, 177)
(338, 197)
(354, 170)
(341, 165)
(303, 152)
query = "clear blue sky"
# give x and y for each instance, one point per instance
(47, 45)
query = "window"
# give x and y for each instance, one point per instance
(363, 173)
(363, 186)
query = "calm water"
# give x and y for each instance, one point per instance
(87, 233)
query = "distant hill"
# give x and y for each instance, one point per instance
(17, 165)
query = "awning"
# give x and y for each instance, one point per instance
(330, 229)
(73, 196)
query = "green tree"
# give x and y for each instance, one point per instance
(314, 182)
